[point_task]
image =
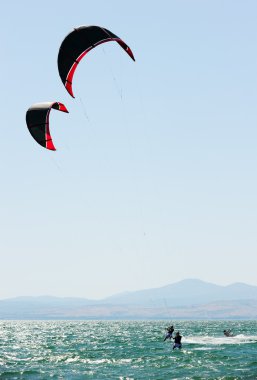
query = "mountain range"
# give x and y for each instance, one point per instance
(187, 299)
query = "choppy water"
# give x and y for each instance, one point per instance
(126, 350)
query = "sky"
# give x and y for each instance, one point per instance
(155, 175)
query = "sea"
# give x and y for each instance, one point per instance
(127, 350)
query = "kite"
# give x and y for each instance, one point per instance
(37, 118)
(77, 44)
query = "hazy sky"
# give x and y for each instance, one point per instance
(155, 175)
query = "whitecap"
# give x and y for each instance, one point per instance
(213, 340)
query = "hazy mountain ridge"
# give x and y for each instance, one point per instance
(185, 299)
(186, 292)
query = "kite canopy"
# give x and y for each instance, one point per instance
(37, 118)
(77, 44)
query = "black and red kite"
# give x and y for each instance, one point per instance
(77, 44)
(37, 118)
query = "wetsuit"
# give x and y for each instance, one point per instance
(169, 333)
(177, 341)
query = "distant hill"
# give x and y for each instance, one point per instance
(187, 299)
(186, 292)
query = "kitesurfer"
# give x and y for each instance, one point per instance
(228, 333)
(170, 331)
(177, 341)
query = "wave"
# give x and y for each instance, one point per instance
(214, 340)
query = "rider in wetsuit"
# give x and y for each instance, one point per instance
(228, 333)
(170, 330)
(177, 341)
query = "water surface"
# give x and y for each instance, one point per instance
(126, 350)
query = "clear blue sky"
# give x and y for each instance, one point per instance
(155, 175)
